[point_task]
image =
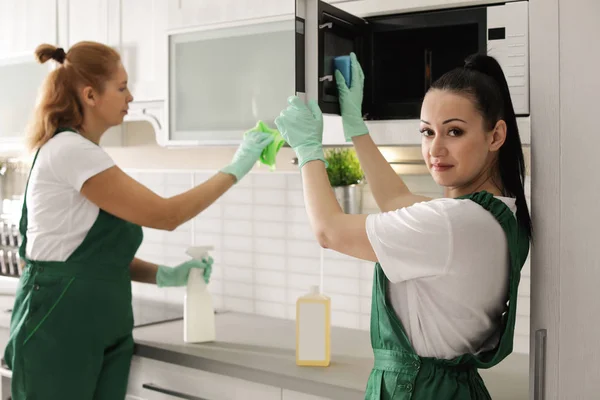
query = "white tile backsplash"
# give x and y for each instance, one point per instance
(270, 181)
(342, 302)
(297, 215)
(238, 243)
(270, 293)
(270, 197)
(237, 258)
(270, 262)
(237, 196)
(209, 225)
(240, 290)
(237, 212)
(237, 274)
(265, 229)
(269, 246)
(269, 213)
(304, 265)
(233, 227)
(265, 253)
(299, 231)
(268, 277)
(345, 319)
(295, 198)
(303, 248)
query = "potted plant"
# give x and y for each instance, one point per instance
(345, 176)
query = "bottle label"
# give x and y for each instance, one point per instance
(312, 331)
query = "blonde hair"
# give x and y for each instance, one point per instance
(85, 64)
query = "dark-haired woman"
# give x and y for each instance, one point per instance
(447, 272)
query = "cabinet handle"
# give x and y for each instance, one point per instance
(539, 382)
(179, 395)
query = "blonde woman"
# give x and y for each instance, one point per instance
(71, 328)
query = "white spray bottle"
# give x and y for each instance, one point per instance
(198, 311)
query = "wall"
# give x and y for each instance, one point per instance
(265, 252)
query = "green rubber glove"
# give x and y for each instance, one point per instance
(248, 153)
(351, 99)
(178, 276)
(302, 127)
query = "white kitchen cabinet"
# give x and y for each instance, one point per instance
(134, 27)
(565, 268)
(143, 47)
(25, 24)
(291, 395)
(223, 78)
(94, 20)
(160, 378)
(187, 13)
(20, 79)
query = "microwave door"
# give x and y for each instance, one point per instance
(329, 33)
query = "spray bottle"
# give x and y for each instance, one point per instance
(198, 311)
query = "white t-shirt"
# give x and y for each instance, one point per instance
(448, 265)
(59, 216)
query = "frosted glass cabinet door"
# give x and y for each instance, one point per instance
(20, 80)
(223, 79)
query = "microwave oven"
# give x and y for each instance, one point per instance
(403, 54)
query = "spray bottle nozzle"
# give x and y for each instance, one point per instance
(198, 252)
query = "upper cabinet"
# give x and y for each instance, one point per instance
(93, 20)
(224, 77)
(24, 24)
(20, 80)
(203, 72)
(143, 47)
(189, 13)
(135, 27)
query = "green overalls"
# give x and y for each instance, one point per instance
(72, 322)
(400, 374)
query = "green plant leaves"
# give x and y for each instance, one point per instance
(344, 168)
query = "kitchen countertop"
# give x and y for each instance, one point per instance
(262, 349)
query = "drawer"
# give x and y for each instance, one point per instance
(165, 381)
(291, 395)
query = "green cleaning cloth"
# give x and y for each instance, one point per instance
(269, 154)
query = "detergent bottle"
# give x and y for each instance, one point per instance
(198, 310)
(313, 329)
